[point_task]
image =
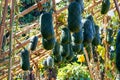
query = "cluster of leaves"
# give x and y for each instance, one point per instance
(73, 71)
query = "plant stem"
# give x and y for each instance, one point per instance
(10, 46)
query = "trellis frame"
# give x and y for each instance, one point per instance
(35, 24)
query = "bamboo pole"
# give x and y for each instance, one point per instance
(117, 7)
(3, 23)
(106, 46)
(10, 45)
(89, 66)
(92, 61)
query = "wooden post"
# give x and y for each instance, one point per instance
(3, 23)
(10, 45)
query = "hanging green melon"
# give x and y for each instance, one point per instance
(90, 17)
(97, 39)
(74, 17)
(118, 57)
(109, 35)
(25, 62)
(58, 59)
(118, 38)
(65, 36)
(34, 42)
(56, 49)
(50, 62)
(76, 47)
(48, 44)
(118, 50)
(105, 6)
(64, 50)
(46, 25)
(88, 32)
(81, 51)
(45, 63)
(71, 54)
(81, 2)
(78, 37)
